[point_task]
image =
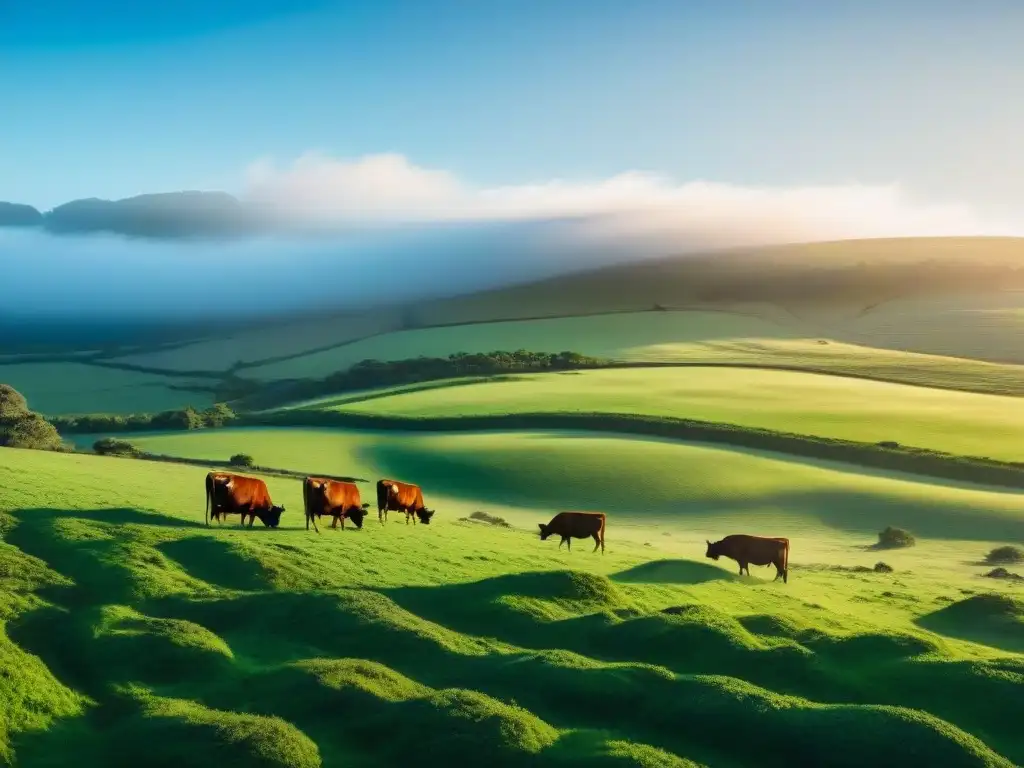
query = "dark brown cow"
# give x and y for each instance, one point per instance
(322, 496)
(401, 497)
(758, 550)
(576, 525)
(228, 494)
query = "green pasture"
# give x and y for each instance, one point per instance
(622, 336)
(986, 327)
(133, 632)
(828, 406)
(69, 387)
(651, 486)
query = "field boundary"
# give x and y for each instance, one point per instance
(889, 456)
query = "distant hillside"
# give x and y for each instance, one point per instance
(18, 215)
(165, 215)
(849, 276)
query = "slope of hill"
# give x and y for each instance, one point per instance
(130, 625)
(826, 406)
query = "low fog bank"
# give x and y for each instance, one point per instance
(106, 279)
(341, 236)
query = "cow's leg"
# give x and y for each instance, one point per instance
(597, 542)
(341, 519)
(568, 543)
(252, 516)
(741, 568)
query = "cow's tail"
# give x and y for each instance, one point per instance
(604, 520)
(785, 563)
(209, 498)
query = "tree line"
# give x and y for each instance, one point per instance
(238, 395)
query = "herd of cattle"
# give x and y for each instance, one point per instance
(231, 494)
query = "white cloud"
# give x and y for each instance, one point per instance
(317, 190)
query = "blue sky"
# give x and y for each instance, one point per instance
(111, 99)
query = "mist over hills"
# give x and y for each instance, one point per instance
(162, 264)
(159, 215)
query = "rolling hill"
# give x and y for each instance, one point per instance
(129, 623)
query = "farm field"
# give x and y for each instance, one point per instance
(69, 387)
(651, 482)
(828, 406)
(128, 624)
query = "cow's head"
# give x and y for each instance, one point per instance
(357, 515)
(272, 517)
(424, 515)
(544, 531)
(712, 552)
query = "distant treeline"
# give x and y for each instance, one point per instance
(886, 455)
(245, 394)
(218, 415)
(373, 374)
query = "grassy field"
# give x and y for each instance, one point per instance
(828, 406)
(131, 630)
(58, 388)
(987, 327)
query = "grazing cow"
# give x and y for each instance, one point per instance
(576, 525)
(332, 497)
(758, 550)
(228, 494)
(401, 497)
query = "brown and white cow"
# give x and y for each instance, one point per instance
(340, 500)
(576, 525)
(229, 494)
(401, 497)
(758, 550)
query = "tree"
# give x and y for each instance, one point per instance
(22, 428)
(218, 415)
(12, 403)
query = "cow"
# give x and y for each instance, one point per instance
(401, 497)
(228, 494)
(321, 496)
(576, 525)
(758, 550)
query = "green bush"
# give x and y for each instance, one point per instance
(22, 428)
(218, 415)
(372, 374)
(242, 460)
(12, 403)
(1007, 555)
(895, 538)
(110, 446)
(882, 568)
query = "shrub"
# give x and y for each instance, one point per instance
(1002, 573)
(242, 460)
(895, 538)
(483, 517)
(888, 444)
(883, 568)
(1007, 555)
(111, 446)
(22, 428)
(12, 403)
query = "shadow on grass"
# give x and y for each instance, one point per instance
(673, 572)
(216, 562)
(990, 619)
(114, 516)
(400, 652)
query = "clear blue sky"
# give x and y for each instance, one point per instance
(109, 98)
